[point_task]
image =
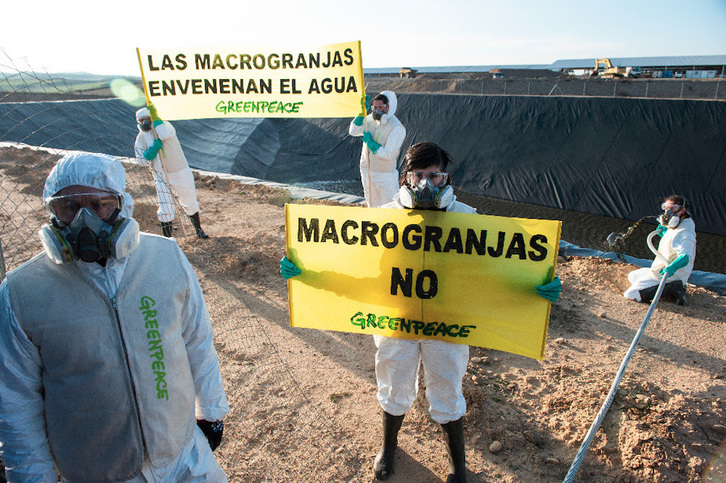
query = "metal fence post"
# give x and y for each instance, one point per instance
(2, 262)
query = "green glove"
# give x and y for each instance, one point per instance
(288, 269)
(660, 230)
(153, 113)
(153, 150)
(679, 262)
(551, 291)
(368, 139)
(358, 121)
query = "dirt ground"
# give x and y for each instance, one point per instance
(665, 424)
(303, 401)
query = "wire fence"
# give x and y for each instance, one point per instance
(294, 441)
(706, 89)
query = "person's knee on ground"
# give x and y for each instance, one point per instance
(675, 291)
(454, 439)
(383, 465)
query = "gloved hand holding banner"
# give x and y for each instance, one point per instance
(233, 81)
(463, 278)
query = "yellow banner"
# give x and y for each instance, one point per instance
(200, 83)
(410, 274)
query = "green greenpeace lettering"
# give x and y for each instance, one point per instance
(156, 350)
(416, 327)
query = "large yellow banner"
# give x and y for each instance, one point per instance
(200, 83)
(463, 278)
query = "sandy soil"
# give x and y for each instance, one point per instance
(666, 423)
(303, 401)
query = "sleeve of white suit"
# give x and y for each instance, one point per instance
(355, 130)
(165, 130)
(140, 147)
(23, 442)
(211, 402)
(392, 148)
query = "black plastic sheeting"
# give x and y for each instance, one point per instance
(615, 157)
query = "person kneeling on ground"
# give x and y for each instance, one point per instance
(677, 245)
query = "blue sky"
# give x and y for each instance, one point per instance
(101, 36)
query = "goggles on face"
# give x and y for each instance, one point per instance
(66, 207)
(415, 177)
(674, 208)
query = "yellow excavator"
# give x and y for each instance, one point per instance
(604, 68)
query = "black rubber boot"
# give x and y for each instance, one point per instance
(647, 294)
(167, 229)
(384, 463)
(675, 290)
(197, 225)
(454, 438)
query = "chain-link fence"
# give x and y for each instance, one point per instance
(711, 89)
(274, 431)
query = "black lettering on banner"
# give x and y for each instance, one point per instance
(500, 246)
(411, 237)
(309, 232)
(453, 242)
(202, 62)
(480, 245)
(433, 284)
(344, 232)
(405, 283)
(516, 247)
(539, 253)
(368, 232)
(433, 236)
(393, 229)
(329, 232)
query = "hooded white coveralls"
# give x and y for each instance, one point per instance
(444, 363)
(181, 178)
(378, 171)
(23, 439)
(675, 242)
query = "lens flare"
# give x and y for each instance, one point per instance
(128, 92)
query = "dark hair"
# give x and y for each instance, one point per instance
(424, 154)
(381, 97)
(681, 201)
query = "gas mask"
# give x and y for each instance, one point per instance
(426, 196)
(377, 114)
(669, 218)
(145, 125)
(89, 238)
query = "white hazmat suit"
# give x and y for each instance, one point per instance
(444, 363)
(171, 172)
(33, 341)
(378, 171)
(674, 243)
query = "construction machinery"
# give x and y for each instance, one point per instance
(605, 69)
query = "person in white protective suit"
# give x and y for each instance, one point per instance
(383, 136)
(108, 370)
(157, 143)
(424, 185)
(677, 245)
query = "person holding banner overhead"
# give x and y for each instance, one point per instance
(383, 136)
(425, 184)
(157, 143)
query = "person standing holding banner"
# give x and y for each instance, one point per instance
(383, 136)
(157, 143)
(424, 185)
